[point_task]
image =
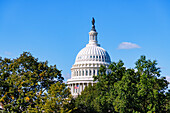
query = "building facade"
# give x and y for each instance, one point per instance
(87, 64)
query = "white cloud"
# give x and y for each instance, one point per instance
(7, 53)
(128, 45)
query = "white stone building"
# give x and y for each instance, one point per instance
(87, 64)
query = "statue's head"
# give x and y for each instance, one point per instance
(93, 21)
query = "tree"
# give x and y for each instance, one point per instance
(86, 102)
(29, 85)
(151, 89)
(138, 90)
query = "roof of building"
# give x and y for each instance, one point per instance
(92, 52)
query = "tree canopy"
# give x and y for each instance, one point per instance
(136, 90)
(27, 85)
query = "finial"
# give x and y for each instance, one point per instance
(93, 26)
(93, 21)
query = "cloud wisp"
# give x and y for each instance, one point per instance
(7, 53)
(128, 45)
(67, 76)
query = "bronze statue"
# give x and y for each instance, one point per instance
(93, 26)
(93, 21)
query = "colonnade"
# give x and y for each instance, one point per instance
(94, 58)
(80, 87)
(84, 72)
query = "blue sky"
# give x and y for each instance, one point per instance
(56, 31)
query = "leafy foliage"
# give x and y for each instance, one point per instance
(29, 85)
(138, 90)
(87, 102)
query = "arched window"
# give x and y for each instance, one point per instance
(90, 73)
(79, 73)
(86, 72)
(93, 72)
(83, 72)
(102, 58)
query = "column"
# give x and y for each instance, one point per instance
(74, 72)
(72, 89)
(83, 85)
(76, 88)
(79, 88)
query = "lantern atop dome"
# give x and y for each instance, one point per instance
(93, 35)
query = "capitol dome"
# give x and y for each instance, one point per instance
(92, 53)
(87, 64)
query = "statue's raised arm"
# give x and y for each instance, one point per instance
(93, 21)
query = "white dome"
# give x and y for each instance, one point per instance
(92, 53)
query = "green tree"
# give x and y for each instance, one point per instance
(28, 85)
(151, 89)
(86, 103)
(138, 90)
